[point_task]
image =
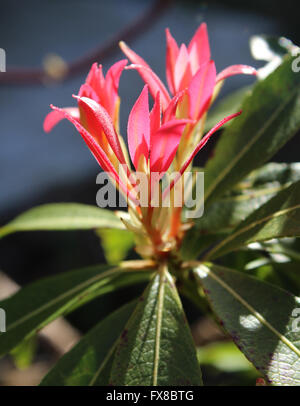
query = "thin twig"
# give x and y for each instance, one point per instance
(29, 76)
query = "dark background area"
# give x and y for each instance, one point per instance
(36, 168)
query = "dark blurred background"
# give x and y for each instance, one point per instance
(36, 168)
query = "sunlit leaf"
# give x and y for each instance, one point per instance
(260, 318)
(24, 353)
(156, 346)
(62, 216)
(116, 244)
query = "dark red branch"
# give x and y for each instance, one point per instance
(29, 76)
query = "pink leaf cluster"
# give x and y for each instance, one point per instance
(153, 136)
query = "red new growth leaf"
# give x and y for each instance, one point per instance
(164, 144)
(197, 149)
(199, 49)
(236, 70)
(138, 129)
(55, 116)
(96, 119)
(171, 56)
(201, 89)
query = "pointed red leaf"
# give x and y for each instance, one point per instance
(197, 149)
(87, 91)
(201, 89)
(96, 119)
(112, 84)
(164, 144)
(155, 115)
(171, 56)
(95, 78)
(236, 70)
(138, 129)
(170, 112)
(206, 138)
(55, 116)
(199, 49)
(96, 150)
(182, 70)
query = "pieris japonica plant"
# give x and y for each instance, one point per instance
(235, 258)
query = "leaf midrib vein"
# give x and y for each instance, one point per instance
(64, 295)
(160, 301)
(258, 315)
(248, 227)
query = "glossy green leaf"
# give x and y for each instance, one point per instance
(288, 275)
(279, 217)
(156, 346)
(247, 196)
(278, 250)
(85, 364)
(271, 116)
(226, 213)
(37, 304)
(115, 244)
(261, 319)
(223, 364)
(223, 215)
(272, 174)
(24, 353)
(224, 356)
(62, 216)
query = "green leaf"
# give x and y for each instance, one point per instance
(24, 353)
(278, 250)
(272, 174)
(278, 274)
(223, 215)
(279, 217)
(226, 213)
(85, 364)
(228, 105)
(271, 116)
(224, 356)
(37, 304)
(223, 364)
(62, 216)
(259, 317)
(258, 187)
(289, 276)
(116, 244)
(156, 346)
